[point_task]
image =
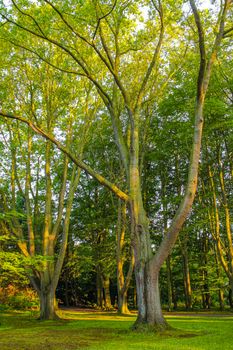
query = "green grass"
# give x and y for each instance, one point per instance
(108, 331)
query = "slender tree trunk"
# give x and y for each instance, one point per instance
(186, 273)
(171, 293)
(99, 288)
(221, 299)
(227, 265)
(187, 283)
(169, 284)
(122, 281)
(135, 297)
(174, 297)
(231, 293)
(106, 287)
(67, 293)
(206, 291)
(122, 303)
(220, 291)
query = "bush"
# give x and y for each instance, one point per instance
(19, 299)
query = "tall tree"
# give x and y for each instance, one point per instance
(45, 199)
(105, 44)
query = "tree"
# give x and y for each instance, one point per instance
(44, 198)
(107, 47)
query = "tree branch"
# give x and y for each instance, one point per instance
(227, 31)
(67, 23)
(101, 180)
(155, 55)
(104, 16)
(103, 93)
(31, 17)
(45, 60)
(202, 50)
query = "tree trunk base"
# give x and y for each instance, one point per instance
(124, 313)
(53, 317)
(145, 327)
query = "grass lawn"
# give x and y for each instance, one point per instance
(108, 331)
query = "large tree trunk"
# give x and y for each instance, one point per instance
(154, 315)
(146, 274)
(48, 305)
(46, 294)
(148, 294)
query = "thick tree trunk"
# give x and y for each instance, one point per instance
(154, 316)
(146, 270)
(48, 305)
(149, 305)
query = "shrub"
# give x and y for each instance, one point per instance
(19, 299)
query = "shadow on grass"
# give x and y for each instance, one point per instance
(77, 330)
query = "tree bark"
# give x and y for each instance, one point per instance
(169, 284)
(122, 281)
(231, 293)
(150, 314)
(48, 305)
(186, 272)
(67, 303)
(123, 303)
(106, 288)
(99, 287)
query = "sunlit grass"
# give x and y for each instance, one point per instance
(109, 331)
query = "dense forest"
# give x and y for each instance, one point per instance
(116, 149)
